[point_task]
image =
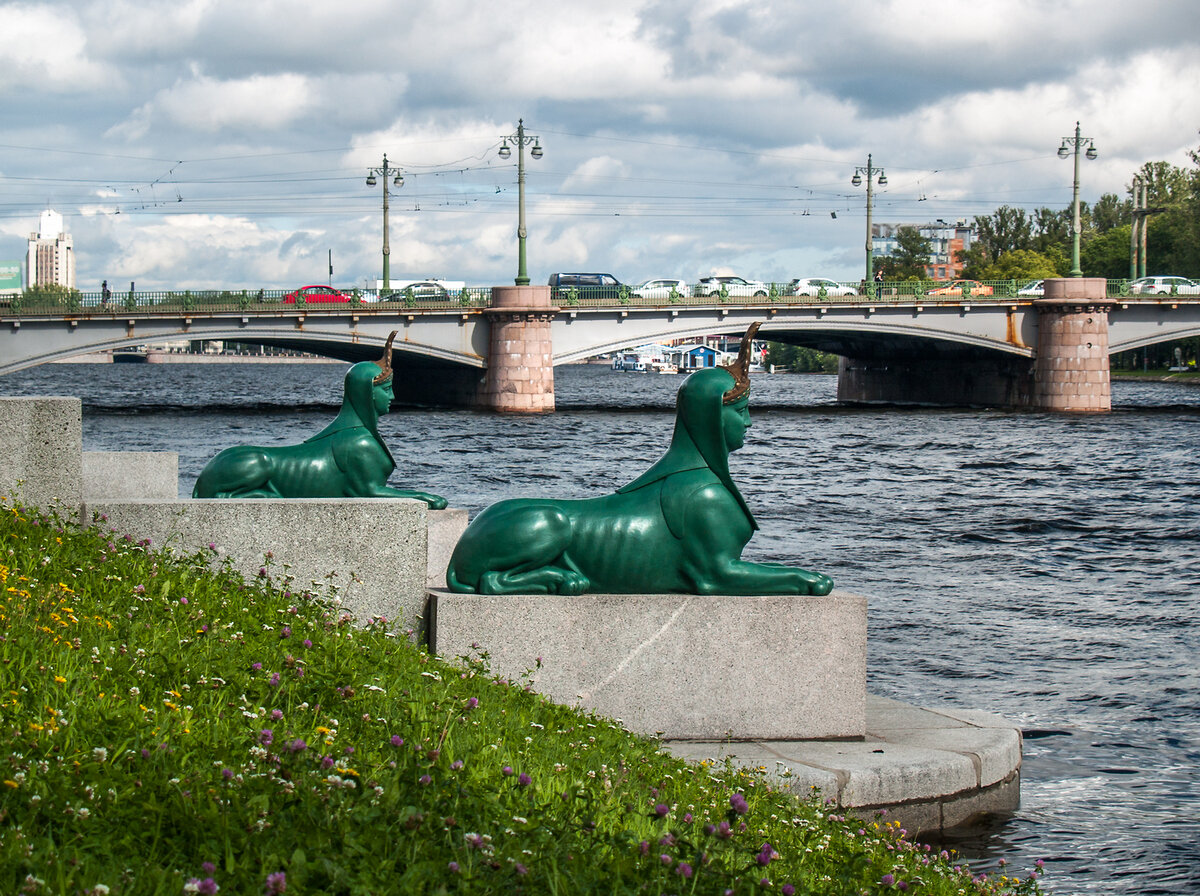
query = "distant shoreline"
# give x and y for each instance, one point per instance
(158, 357)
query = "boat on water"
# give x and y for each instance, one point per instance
(129, 356)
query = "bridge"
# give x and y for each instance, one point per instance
(927, 348)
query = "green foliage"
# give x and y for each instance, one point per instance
(168, 727)
(44, 294)
(798, 359)
(910, 257)
(1021, 264)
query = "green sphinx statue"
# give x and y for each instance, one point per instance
(680, 527)
(347, 459)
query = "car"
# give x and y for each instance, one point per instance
(316, 294)
(1164, 286)
(571, 287)
(731, 286)
(661, 289)
(962, 287)
(819, 286)
(421, 289)
(1033, 288)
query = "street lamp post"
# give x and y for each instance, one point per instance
(521, 140)
(871, 172)
(386, 171)
(1076, 226)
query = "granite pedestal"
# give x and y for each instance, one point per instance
(687, 667)
(41, 449)
(130, 475)
(374, 551)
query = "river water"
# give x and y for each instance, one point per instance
(1043, 567)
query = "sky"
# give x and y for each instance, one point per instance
(222, 144)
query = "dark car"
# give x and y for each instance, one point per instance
(572, 287)
(316, 294)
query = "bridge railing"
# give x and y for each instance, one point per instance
(268, 300)
(218, 301)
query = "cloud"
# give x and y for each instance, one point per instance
(47, 49)
(263, 102)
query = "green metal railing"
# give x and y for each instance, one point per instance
(272, 300)
(218, 301)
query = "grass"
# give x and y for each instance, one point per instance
(170, 728)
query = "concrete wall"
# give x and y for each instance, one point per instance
(374, 551)
(130, 475)
(691, 667)
(41, 449)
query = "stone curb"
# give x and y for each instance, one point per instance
(932, 770)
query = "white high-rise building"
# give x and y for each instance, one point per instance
(51, 255)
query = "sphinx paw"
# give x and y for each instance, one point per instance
(818, 584)
(573, 583)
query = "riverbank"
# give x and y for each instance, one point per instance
(1183, 378)
(350, 742)
(161, 357)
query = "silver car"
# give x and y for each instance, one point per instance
(820, 286)
(661, 289)
(1164, 286)
(733, 286)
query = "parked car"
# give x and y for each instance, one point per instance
(819, 286)
(422, 289)
(1033, 288)
(660, 289)
(316, 294)
(1164, 286)
(734, 286)
(572, 286)
(962, 287)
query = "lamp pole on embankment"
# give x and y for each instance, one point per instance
(521, 141)
(871, 173)
(1076, 227)
(385, 171)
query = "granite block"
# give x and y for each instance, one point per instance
(130, 475)
(688, 667)
(372, 550)
(41, 450)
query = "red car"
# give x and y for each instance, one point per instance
(317, 294)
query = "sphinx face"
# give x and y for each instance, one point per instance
(382, 396)
(735, 420)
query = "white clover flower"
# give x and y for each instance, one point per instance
(101, 754)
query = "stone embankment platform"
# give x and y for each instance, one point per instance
(771, 682)
(932, 770)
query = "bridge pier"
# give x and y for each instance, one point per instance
(994, 380)
(520, 372)
(1071, 370)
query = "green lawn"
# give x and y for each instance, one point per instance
(167, 729)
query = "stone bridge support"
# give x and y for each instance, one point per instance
(1071, 371)
(520, 373)
(992, 380)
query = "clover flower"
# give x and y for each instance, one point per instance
(276, 883)
(737, 802)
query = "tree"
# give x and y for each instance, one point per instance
(51, 294)
(1021, 265)
(1106, 254)
(910, 257)
(798, 359)
(1002, 231)
(1110, 212)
